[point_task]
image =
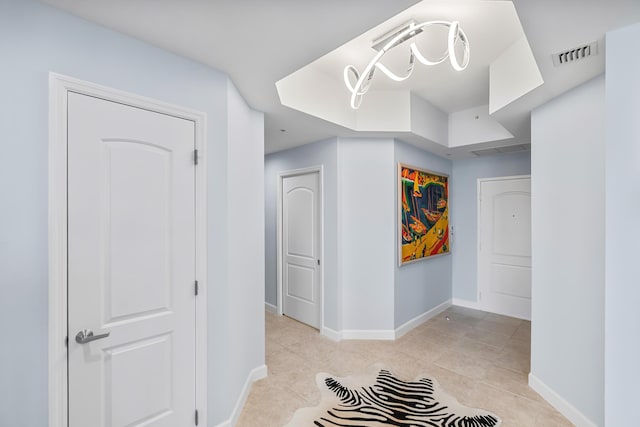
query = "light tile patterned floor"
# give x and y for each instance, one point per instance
(480, 358)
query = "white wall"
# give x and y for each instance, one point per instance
(622, 317)
(429, 121)
(464, 214)
(419, 286)
(475, 125)
(237, 304)
(325, 154)
(568, 219)
(366, 183)
(34, 40)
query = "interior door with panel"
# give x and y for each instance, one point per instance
(131, 243)
(301, 247)
(504, 261)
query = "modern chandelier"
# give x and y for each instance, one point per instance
(359, 83)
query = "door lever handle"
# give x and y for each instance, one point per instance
(86, 336)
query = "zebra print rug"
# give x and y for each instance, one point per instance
(380, 399)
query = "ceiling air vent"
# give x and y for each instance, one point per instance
(575, 54)
(502, 150)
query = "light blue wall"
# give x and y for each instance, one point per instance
(320, 153)
(366, 182)
(236, 344)
(464, 216)
(34, 40)
(422, 285)
(622, 330)
(412, 289)
(568, 220)
(417, 287)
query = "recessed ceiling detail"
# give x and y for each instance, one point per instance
(502, 150)
(412, 97)
(359, 83)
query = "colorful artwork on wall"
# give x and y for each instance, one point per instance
(423, 212)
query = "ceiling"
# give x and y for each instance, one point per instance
(258, 43)
(491, 26)
(432, 94)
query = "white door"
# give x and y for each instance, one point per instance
(131, 237)
(301, 247)
(504, 261)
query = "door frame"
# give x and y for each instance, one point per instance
(59, 87)
(279, 228)
(481, 305)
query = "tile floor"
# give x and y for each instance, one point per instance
(480, 358)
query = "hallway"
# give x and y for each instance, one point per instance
(480, 358)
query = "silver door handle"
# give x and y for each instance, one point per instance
(86, 336)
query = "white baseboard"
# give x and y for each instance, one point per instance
(558, 402)
(477, 306)
(331, 334)
(368, 334)
(256, 374)
(384, 334)
(419, 320)
(357, 334)
(270, 308)
(466, 303)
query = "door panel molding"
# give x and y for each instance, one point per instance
(279, 235)
(59, 87)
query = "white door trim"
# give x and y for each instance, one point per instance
(481, 305)
(280, 255)
(59, 86)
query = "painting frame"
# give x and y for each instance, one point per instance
(424, 221)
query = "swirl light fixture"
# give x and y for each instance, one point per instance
(359, 83)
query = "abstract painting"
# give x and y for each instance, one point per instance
(423, 213)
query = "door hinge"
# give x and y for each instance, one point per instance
(196, 288)
(66, 341)
(318, 261)
(196, 420)
(195, 157)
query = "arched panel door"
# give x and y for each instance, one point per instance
(504, 261)
(301, 248)
(131, 237)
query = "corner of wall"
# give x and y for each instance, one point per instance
(237, 302)
(423, 286)
(622, 239)
(256, 374)
(565, 363)
(558, 402)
